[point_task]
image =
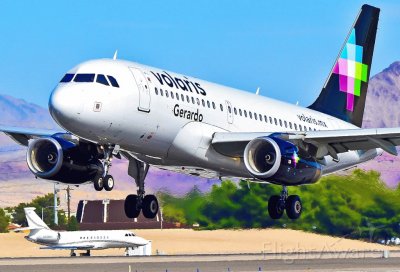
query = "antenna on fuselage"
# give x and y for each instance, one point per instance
(258, 91)
(115, 55)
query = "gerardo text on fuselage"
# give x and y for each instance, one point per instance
(182, 84)
(188, 114)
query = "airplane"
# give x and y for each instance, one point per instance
(41, 234)
(115, 108)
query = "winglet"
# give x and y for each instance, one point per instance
(115, 55)
(258, 90)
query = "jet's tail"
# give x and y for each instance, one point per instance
(344, 93)
(34, 221)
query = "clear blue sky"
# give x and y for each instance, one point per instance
(285, 47)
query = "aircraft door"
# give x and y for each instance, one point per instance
(144, 89)
(229, 111)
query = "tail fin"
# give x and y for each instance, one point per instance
(344, 93)
(34, 221)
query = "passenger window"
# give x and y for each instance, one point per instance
(213, 104)
(290, 125)
(177, 96)
(187, 99)
(280, 122)
(250, 115)
(245, 113)
(260, 117)
(192, 100)
(172, 95)
(229, 109)
(240, 112)
(221, 107)
(265, 119)
(208, 104)
(300, 127)
(161, 92)
(295, 126)
(156, 91)
(270, 120)
(198, 101)
(182, 98)
(84, 78)
(102, 80)
(67, 78)
(255, 116)
(276, 122)
(203, 103)
(285, 124)
(114, 82)
(166, 93)
(234, 110)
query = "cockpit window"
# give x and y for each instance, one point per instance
(67, 78)
(84, 78)
(113, 81)
(102, 80)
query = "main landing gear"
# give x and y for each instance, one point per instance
(278, 204)
(104, 180)
(148, 204)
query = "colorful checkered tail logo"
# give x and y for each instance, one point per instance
(344, 93)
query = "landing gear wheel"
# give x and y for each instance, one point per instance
(150, 206)
(108, 182)
(131, 206)
(98, 183)
(275, 207)
(293, 207)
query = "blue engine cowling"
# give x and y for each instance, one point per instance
(55, 158)
(277, 161)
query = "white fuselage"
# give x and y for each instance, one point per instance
(100, 239)
(168, 120)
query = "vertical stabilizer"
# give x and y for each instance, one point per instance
(344, 93)
(34, 221)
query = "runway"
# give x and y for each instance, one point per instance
(367, 261)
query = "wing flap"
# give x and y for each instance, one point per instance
(328, 142)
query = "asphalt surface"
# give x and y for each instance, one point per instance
(198, 264)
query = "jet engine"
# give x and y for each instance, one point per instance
(277, 161)
(59, 159)
(47, 236)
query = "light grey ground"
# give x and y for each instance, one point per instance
(200, 263)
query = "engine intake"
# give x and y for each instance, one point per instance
(277, 161)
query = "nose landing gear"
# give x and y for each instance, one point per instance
(278, 204)
(104, 180)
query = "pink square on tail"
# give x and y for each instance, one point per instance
(343, 83)
(350, 102)
(342, 66)
(350, 85)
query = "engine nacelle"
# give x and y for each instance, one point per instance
(55, 158)
(277, 161)
(46, 236)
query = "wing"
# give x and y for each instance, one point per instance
(23, 135)
(329, 142)
(68, 247)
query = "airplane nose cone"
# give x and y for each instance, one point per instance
(65, 106)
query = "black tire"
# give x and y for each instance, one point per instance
(98, 183)
(130, 206)
(73, 254)
(275, 207)
(150, 206)
(293, 207)
(108, 183)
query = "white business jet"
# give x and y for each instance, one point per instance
(41, 234)
(153, 117)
